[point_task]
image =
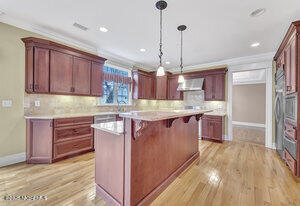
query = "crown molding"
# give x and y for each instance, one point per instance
(230, 62)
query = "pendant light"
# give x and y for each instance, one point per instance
(160, 5)
(181, 28)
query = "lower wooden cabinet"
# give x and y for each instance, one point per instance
(290, 161)
(212, 127)
(52, 140)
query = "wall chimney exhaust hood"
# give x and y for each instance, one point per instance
(191, 85)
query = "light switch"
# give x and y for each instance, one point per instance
(37, 103)
(6, 103)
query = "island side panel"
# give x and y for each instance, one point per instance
(158, 152)
(109, 166)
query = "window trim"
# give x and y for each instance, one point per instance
(115, 99)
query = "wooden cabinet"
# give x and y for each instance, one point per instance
(290, 66)
(288, 56)
(214, 87)
(41, 70)
(212, 128)
(61, 73)
(96, 79)
(81, 76)
(52, 140)
(37, 70)
(143, 85)
(162, 87)
(52, 68)
(173, 94)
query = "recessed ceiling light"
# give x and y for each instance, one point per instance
(142, 50)
(103, 29)
(167, 62)
(256, 44)
(258, 12)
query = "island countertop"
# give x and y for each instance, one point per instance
(158, 115)
(115, 127)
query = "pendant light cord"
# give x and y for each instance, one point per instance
(181, 65)
(160, 44)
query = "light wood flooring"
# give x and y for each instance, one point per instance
(248, 134)
(232, 173)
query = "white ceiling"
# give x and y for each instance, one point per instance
(217, 29)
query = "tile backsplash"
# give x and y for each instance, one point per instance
(63, 104)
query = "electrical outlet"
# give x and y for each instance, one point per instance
(6, 103)
(37, 103)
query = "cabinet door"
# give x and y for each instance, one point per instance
(219, 88)
(205, 128)
(173, 94)
(81, 76)
(97, 79)
(161, 87)
(214, 87)
(141, 87)
(287, 69)
(293, 68)
(41, 70)
(61, 72)
(209, 87)
(152, 88)
(216, 130)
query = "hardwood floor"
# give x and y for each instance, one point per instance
(232, 173)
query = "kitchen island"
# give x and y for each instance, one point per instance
(137, 158)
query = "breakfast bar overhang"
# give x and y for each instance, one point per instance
(137, 158)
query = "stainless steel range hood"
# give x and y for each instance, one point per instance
(191, 85)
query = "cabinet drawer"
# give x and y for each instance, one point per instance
(69, 133)
(290, 131)
(212, 117)
(290, 161)
(72, 121)
(72, 147)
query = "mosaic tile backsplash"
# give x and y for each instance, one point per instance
(63, 104)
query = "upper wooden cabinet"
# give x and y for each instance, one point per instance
(143, 85)
(288, 57)
(96, 79)
(57, 69)
(173, 94)
(290, 66)
(81, 76)
(162, 87)
(214, 87)
(61, 73)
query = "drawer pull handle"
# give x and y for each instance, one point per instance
(75, 132)
(75, 145)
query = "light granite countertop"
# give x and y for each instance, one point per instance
(115, 127)
(59, 116)
(161, 115)
(217, 113)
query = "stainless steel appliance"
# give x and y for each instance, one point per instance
(191, 85)
(291, 102)
(279, 110)
(291, 146)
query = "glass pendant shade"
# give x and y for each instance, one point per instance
(160, 71)
(180, 79)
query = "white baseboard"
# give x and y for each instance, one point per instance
(12, 159)
(250, 124)
(225, 137)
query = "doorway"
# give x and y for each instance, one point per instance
(250, 104)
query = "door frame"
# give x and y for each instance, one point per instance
(268, 67)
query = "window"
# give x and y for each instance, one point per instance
(115, 92)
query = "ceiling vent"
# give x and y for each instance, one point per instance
(258, 12)
(79, 26)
